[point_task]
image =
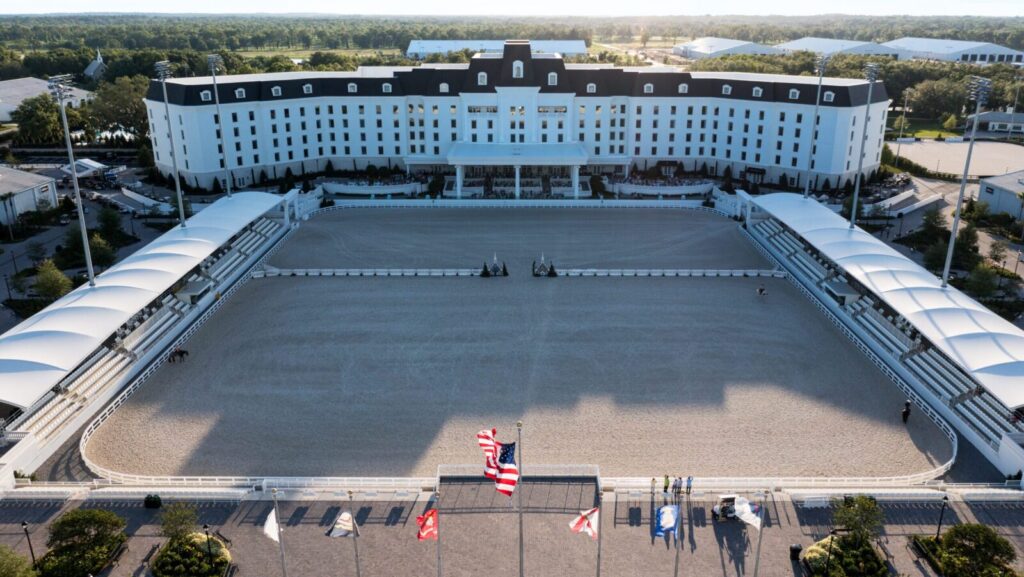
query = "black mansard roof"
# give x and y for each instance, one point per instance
(426, 80)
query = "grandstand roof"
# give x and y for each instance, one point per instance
(985, 345)
(42, 350)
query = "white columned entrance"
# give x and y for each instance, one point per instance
(459, 172)
(517, 182)
(576, 181)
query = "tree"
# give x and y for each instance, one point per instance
(859, 515)
(933, 98)
(102, 253)
(901, 124)
(14, 565)
(119, 105)
(51, 282)
(178, 520)
(933, 223)
(974, 550)
(81, 542)
(36, 251)
(951, 123)
(935, 256)
(38, 120)
(110, 222)
(966, 254)
(997, 252)
(848, 207)
(982, 282)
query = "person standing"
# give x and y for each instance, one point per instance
(666, 484)
(906, 412)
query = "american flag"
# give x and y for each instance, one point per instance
(486, 441)
(499, 462)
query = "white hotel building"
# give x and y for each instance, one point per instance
(518, 113)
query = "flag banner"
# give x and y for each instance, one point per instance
(270, 528)
(508, 471)
(344, 526)
(428, 525)
(666, 520)
(748, 512)
(490, 447)
(586, 522)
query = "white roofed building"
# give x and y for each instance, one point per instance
(957, 50)
(22, 192)
(1004, 193)
(14, 92)
(830, 46)
(711, 47)
(420, 49)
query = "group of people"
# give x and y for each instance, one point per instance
(177, 355)
(677, 485)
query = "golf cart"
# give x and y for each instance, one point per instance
(726, 508)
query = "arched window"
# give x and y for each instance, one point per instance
(794, 94)
(552, 79)
(206, 96)
(758, 92)
(240, 93)
(684, 88)
(648, 88)
(591, 88)
(517, 69)
(275, 91)
(352, 88)
(443, 89)
(829, 96)
(307, 89)
(386, 88)
(726, 90)
(481, 79)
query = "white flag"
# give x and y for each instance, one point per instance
(270, 526)
(586, 523)
(748, 512)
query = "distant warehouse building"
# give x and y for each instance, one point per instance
(24, 192)
(420, 49)
(830, 46)
(14, 92)
(1004, 193)
(711, 47)
(957, 50)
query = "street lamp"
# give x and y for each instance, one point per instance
(213, 61)
(821, 64)
(942, 513)
(871, 74)
(828, 556)
(163, 71)
(903, 124)
(209, 544)
(24, 527)
(1013, 113)
(60, 89)
(980, 89)
(7, 282)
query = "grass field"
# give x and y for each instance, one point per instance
(303, 53)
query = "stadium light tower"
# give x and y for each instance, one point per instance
(821, 64)
(213, 61)
(871, 74)
(60, 89)
(980, 88)
(163, 71)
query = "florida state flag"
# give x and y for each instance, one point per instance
(428, 525)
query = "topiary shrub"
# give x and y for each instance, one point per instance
(192, 556)
(152, 502)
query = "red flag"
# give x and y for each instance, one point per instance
(428, 525)
(586, 522)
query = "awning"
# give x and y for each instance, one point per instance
(559, 154)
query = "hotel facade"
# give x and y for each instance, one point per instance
(518, 114)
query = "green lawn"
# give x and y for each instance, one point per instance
(301, 53)
(924, 128)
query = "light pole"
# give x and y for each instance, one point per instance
(31, 551)
(59, 89)
(980, 89)
(822, 63)
(163, 70)
(1015, 263)
(871, 73)
(213, 61)
(942, 513)
(903, 123)
(519, 493)
(1013, 114)
(7, 282)
(209, 545)
(355, 531)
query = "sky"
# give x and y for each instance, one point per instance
(536, 7)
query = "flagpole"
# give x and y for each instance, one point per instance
(679, 522)
(760, 535)
(280, 538)
(600, 530)
(437, 529)
(355, 531)
(519, 493)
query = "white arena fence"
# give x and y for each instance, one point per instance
(597, 272)
(346, 272)
(343, 204)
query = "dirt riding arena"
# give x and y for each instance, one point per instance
(989, 158)
(641, 376)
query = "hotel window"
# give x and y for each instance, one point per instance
(552, 79)
(205, 96)
(517, 69)
(591, 88)
(829, 96)
(307, 89)
(758, 92)
(648, 88)
(386, 88)
(240, 93)
(481, 79)
(443, 88)
(794, 94)
(726, 90)
(352, 88)
(684, 88)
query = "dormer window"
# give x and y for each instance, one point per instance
(829, 96)
(386, 88)
(239, 93)
(726, 90)
(794, 94)
(307, 89)
(552, 79)
(517, 69)
(684, 88)
(758, 92)
(206, 96)
(648, 88)
(481, 79)
(275, 91)
(591, 88)
(352, 88)
(443, 88)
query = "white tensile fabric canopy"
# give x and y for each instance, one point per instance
(45, 348)
(985, 345)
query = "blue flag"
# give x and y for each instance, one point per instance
(667, 520)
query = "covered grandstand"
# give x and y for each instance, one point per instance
(957, 351)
